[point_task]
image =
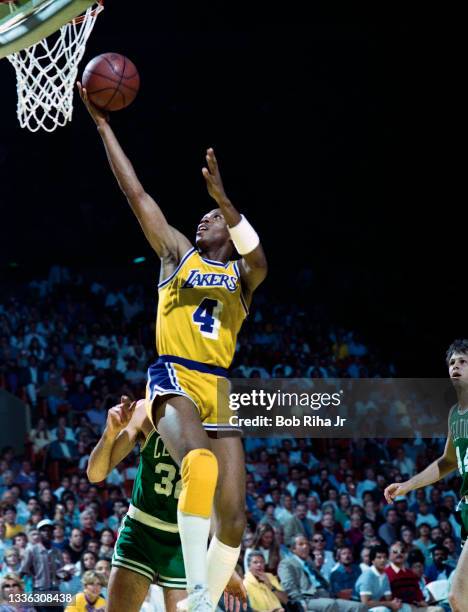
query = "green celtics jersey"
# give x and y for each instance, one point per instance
(157, 484)
(458, 424)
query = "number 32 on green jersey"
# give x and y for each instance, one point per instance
(166, 486)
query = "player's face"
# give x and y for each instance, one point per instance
(458, 369)
(212, 230)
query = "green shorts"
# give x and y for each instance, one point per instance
(463, 508)
(150, 552)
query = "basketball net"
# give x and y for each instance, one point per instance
(46, 74)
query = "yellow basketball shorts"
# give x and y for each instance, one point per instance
(204, 384)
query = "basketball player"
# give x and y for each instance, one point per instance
(203, 299)
(455, 454)
(148, 548)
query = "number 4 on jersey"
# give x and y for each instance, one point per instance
(206, 316)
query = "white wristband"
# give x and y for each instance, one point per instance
(244, 237)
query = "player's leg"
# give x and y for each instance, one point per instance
(126, 591)
(178, 422)
(458, 596)
(171, 597)
(229, 512)
(229, 502)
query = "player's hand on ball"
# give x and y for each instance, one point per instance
(235, 594)
(119, 416)
(394, 490)
(212, 176)
(99, 117)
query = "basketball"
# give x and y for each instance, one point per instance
(111, 80)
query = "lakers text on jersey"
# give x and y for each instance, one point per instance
(200, 311)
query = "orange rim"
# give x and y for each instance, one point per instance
(81, 18)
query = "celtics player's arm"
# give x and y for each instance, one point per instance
(437, 470)
(117, 441)
(253, 265)
(169, 243)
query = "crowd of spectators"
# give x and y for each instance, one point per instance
(317, 519)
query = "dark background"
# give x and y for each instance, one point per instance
(332, 135)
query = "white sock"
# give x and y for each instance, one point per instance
(194, 531)
(222, 560)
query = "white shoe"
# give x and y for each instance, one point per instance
(198, 600)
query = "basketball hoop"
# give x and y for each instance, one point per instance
(46, 73)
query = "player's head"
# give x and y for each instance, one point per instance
(212, 231)
(457, 362)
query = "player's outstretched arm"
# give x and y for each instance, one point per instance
(117, 441)
(164, 239)
(435, 471)
(253, 265)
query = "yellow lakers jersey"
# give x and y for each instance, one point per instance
(200, 310)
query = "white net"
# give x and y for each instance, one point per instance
(46, 74)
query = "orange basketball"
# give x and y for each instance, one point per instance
(111, 81)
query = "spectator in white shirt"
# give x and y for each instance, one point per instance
(61, 424)
(284, 511)
(313, 509)
(99, 360)
(404, 464)
(425, 516)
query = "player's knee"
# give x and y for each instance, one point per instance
(234, 523)
(199, 472)
(230, 527)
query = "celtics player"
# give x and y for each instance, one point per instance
(202, 301)
(148, 548)
(455, 455)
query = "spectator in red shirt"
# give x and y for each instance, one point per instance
(404, 582)
(354, 534)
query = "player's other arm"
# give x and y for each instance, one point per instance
(253, 265)
(164, 239)
(438, 469)
(117, 441)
